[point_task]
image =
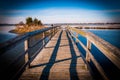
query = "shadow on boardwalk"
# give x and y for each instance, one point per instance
(46, 70)
(73, 72)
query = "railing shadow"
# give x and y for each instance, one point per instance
(57, 61)
(46, 70)
(59, 46)
(73, 72)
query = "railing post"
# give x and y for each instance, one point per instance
(29, 55)
(43, 34)
(89, 47)
(50, 34)
(54, 31)
(26, 55)
(76, 39)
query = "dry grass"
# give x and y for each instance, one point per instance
(25, 29)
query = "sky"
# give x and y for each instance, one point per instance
(60, 11)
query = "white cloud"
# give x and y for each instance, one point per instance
(54, 15)
(11, 20)
(58, 11)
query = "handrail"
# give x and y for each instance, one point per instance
(110, 51)
(92, 58)
(21, 37)
(26, 39)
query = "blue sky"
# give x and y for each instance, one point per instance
(60, 11)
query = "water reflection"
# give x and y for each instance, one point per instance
(6, 28)
(6, 36)
(4, 33)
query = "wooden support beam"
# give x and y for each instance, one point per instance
(88, 47)
(43, 34)
(98, 66)
(29, 45)
(26, 55)
(110, 51)
(76, 39)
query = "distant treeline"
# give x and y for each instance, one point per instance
(101, 27)
(7, 24)
(68, 24)
(83, 23)
(31, 22)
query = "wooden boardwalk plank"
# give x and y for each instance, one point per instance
(59, 60)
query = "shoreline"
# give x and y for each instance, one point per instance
(25, 29)
(98, 27)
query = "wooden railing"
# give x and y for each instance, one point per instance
(18, 52)
(110, 51)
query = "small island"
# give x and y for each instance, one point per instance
(29, 26)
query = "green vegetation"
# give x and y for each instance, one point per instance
(35, 22)
(29, 21)
(30, 25)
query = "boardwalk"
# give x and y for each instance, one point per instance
(59, 60)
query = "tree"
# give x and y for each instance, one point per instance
(35, 22)
(39, 22)
(29, 21)
(21, 23)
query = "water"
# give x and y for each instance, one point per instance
(6, 28)
(12, 60)
(4, 33)
(113, 37)
(6, 36)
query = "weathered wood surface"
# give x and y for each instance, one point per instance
(90, 57)
(110, 51)
(59, 60)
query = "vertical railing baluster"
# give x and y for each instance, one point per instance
(29, 49)
(26, 55)
(89, 47)
(76, 40)
(43, 34)
(54, 30)
(50, 34)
